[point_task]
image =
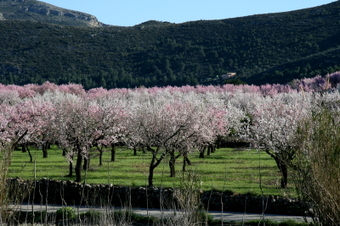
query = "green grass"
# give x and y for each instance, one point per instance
(237, 170)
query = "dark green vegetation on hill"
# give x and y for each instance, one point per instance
(270, 48)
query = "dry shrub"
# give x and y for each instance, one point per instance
(5, 161)
(317, 165)
(188, 197)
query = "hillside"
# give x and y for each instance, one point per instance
(267, 48)
(38, 11)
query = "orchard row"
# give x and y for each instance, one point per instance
(316, 84)
(171, 121)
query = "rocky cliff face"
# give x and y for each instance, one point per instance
(34, 10)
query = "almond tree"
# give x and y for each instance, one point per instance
(184, 130)
(9, 97)
(76, 123)
(82, 122)
(274, 123)
(22, 123)
(45, 136)
(112, 123)
(17, 122)
(163, 125)
(146, 128)
(214, 120)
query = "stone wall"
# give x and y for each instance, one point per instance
(47, 191)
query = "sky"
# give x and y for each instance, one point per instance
(133, 12)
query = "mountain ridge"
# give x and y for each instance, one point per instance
(34, 10)
(263, 48)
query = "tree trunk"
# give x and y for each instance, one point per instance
(101, 157)
(86, 165)
(113, 152)
(184, 166)
(172, 162)
(23, 148)
(134, 151)
(154, 163)
(283, 168)
(209, 150)
(29, 153)
(202, 152)
(78, 166)
(26, 149)
(186, 161)
(218, 142)
(213, 148)
(100, 149)
(151, 169)
(284, 172)
(44, 148)
(70, 169)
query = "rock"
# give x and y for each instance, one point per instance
(71, 193)
(46, 13)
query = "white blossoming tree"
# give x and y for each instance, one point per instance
(274, 124)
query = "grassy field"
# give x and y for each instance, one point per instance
(238, 170)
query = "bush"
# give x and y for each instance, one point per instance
(122, 217)
(92, 217)
(66, 213)
(267, 222)
(317, 165)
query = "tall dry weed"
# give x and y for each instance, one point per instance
(317, 165)
(5, 161)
